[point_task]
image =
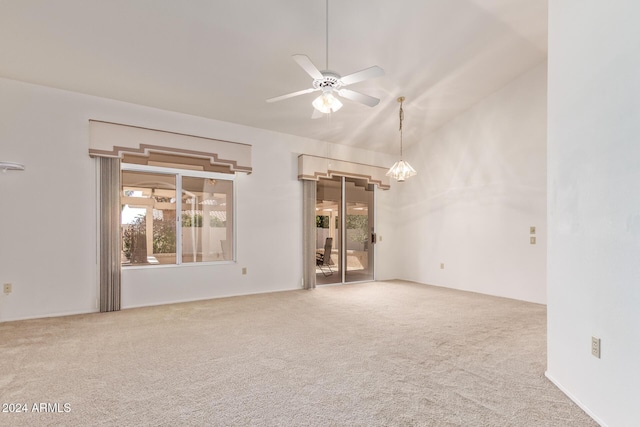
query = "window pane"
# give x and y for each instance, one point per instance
(148, 218)
(207, 220)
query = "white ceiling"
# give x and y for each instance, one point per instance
(222, 58)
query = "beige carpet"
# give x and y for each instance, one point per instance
(357, 355)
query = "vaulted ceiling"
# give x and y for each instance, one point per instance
(222, 58)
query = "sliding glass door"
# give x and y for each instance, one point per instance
(359, 230)
(329, 231)
(344, 230)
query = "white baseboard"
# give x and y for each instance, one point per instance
(73, 313)
(153, 304)
(575, 400)
(48, 315)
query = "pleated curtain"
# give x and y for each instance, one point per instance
(309, 233)
(110, 247)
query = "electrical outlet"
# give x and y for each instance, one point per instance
(8, 288)
(595, 347)
(532, 230)
(442, 266)
(532, 240)
(244, 270)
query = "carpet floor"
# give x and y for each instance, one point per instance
(374, 354)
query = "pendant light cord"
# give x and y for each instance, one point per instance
(401, 114)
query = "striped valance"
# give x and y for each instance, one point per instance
(118, 140)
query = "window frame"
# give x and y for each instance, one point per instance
(178, 174)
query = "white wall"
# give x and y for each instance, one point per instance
(594, 205)
(48, 213)
(481, 184)
(388, 248)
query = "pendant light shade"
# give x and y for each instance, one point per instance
(401, 170)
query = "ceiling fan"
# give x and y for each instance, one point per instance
(331, 83)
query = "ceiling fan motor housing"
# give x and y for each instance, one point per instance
(329, 80)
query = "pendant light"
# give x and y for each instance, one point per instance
(401, 169)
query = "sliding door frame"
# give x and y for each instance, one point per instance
(343, 234)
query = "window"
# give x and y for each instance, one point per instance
(176, 217)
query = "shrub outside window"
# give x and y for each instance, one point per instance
(150, 221)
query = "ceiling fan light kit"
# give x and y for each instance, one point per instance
(401, 170)
(327, 103)
(331, 83)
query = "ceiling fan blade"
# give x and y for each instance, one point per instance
(358, 76)
(316, 114)
(307, 65)
(359, 97)
(291, 95)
